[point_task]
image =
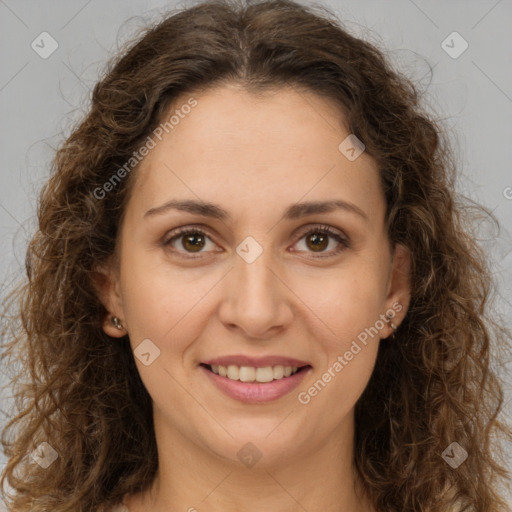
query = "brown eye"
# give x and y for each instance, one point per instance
(188, 241)
(317, 242)
(318, 239)
(193, 242)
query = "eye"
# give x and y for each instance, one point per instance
(192, 240)
(318, 239)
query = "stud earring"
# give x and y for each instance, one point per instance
(393, 326)
(117, 323)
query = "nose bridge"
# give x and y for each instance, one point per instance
(253, 270)
(256, 300)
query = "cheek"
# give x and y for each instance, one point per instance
(348, 343)
(339, 385)
(162, 304)
(346, 301)
(167, 309)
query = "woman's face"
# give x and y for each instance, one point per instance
(249, 282)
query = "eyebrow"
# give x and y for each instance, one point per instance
(295, 211)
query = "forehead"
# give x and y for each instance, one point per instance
(237, 148)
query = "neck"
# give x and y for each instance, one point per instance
(192, 477)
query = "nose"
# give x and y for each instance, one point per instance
(256, 300)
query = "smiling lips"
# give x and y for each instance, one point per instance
(252, 369)
(256, 380)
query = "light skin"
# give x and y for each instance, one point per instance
(254, 156)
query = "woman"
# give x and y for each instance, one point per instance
(253, 287)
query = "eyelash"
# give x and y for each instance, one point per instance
(323, 229)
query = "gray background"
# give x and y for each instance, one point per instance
(41, 99)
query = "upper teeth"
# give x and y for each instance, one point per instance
(252, 374)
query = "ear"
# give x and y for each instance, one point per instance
(105, 280)
(399, 287)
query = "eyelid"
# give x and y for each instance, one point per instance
(304, 230)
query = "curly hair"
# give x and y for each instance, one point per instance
(435, 384)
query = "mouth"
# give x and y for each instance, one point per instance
(250, 374)
(255, 385)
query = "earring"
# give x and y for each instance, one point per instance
(117, 323)
(393, 326)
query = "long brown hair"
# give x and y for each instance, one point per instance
(79, 391)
